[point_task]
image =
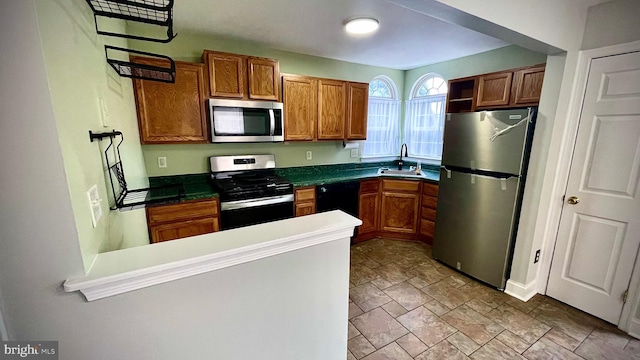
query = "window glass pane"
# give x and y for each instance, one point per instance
(424, 118)
(383, 119)
(379, 88)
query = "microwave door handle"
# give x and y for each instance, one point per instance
(272, 117)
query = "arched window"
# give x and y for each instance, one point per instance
(424, 119)
(383, 120)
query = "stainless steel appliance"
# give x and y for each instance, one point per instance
(250, 190)
(484, 166)
(246, 121)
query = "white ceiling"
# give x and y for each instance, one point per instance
(405, 40)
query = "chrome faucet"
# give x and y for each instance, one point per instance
(400, 163)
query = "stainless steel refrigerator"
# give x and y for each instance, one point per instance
(484, 166)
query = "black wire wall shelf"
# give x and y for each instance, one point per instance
(154, 12)
(131, 69)
(125, 198)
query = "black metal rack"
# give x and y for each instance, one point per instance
(126, 198)
(155, 12)
(131, 69)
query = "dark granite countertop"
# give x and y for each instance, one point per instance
(331, 174)
(198, 186)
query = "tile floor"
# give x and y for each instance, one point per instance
(405, 305)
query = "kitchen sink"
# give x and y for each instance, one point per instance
(395, 172)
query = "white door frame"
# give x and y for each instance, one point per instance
(561, 174)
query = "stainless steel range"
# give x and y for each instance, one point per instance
(250, 191)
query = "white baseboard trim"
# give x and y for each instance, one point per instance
(634, 328)
(521, 291)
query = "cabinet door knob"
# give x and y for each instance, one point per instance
(573, 200)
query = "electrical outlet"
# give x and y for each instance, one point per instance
(354, 153)
(162, 161)
(537, 258)
(95, 204)
(309, 155)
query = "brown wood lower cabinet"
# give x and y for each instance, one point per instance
(182, 229)
(369, 209)
(188, 218)
(428, 212)
(400, 206)
(396, 208)
(305, 201)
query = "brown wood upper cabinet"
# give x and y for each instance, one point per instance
(242, 77)
(494, 89)
(324, 109)
(332, 100)
(172, 113)
(358, 104)
(504, 89)
(527, 85)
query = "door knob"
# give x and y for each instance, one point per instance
(573, 200)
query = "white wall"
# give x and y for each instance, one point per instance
(611, 23)
(559, 23)
(262, 310)
(39, 245)
(523, 270)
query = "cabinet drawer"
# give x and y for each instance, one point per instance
(305, 208)
(427, 228)
(429, 202)
(401, 185)
(305, 194)
(428, 214)
(430, 189)
(369, 186)
(182, 211)
(182, 229)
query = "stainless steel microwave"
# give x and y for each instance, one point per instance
(246, 121)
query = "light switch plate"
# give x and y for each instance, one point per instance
(309, 155)
(95, 204)
(354, 153)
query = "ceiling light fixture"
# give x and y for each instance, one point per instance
(360, 26)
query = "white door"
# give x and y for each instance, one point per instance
(598, 237)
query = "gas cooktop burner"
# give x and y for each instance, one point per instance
(247, 177)
(249, 185)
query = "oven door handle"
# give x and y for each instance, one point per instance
(243, 204)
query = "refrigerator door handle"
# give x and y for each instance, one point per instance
(446, 170)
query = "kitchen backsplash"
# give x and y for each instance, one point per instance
(194, 159)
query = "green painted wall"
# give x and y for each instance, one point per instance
(78, 76)
(187, 159)
(508, 57)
